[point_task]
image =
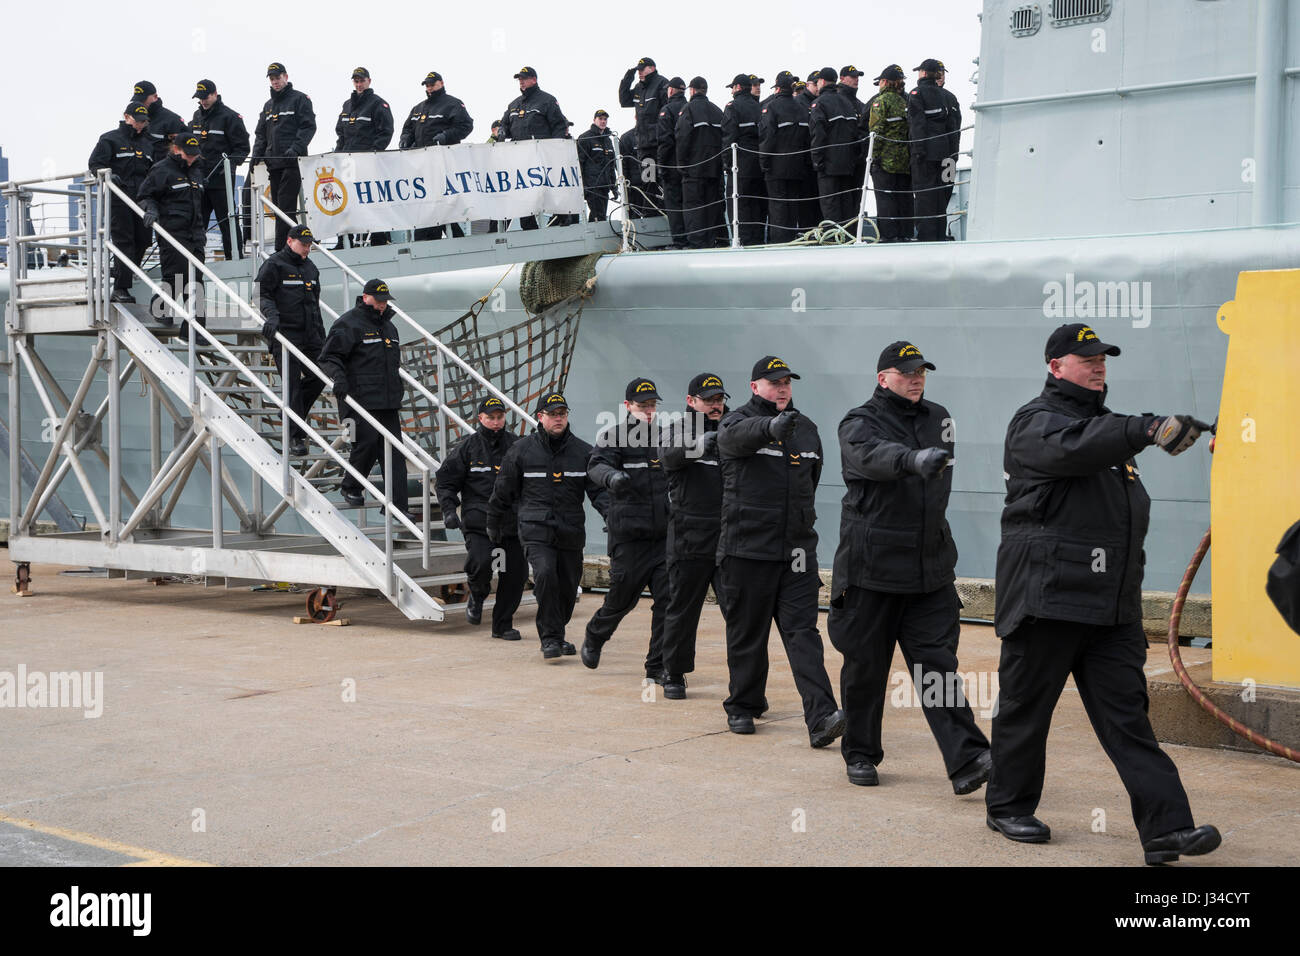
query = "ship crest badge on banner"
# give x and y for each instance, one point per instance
(329, 193)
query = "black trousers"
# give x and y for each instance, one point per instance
(859, 177)
(1107, 666)
(556, 576)
(810, 210)
(783, 199)
(688, 582)
(650, 175)
(369, 448)
(756, 594)
(437, 232)
(931, 206)
(216, 201)
(864, 628)
(304, 387)
(702, 212)
(672, 183)
(511, 571)
(753, 210)
(597, 204)
(893, 204)
(286, 184)
(128, 234)
(836, 196)
(174, 274)
(634, 566)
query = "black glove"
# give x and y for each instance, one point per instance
(709, 443)
(117, 181)
(439, 140)
(781, 426)
(149, 219)
(630, 73)
(1177, 433)
(618, 483)
(450, 520)
(270, 328)
(494, 534)
(927, 462)
(341, 392)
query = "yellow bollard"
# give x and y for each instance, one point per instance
(1255, 477)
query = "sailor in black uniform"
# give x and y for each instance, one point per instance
(284, 132)
(127, 152)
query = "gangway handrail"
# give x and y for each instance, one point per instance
(195, 328)
(424, 333)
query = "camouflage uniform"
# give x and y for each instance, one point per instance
(891, 170)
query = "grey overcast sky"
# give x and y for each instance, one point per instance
(77, 61)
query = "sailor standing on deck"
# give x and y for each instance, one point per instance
(172, 196)
(225, 145)
(893, 577)
(627, 461)
(771, 463)
(694, 519)
(365, 125)
(596, 157)
(465, 480)
(1069, 586)
(284, 132)
(699, 160)
(647, 98)
(533, 114)
(670, 177)
(544, 476)
(127, 153)
(288, 289)
(929, 123)
(740, 120)
(440, 119)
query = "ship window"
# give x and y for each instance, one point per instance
(1026, 20)
(1066, 13)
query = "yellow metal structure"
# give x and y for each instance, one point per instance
(1255, 477)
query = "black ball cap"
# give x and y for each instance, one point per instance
(145, 88)
(526, 71)
(137, 110)
(204, 88)
(756, 80)
(677, 83)
(360, 73)
(551, 403)
(742, 79)
(432, 77)
(700, 83)
(379, 289)
(1076, 339)
(814, 75)
(706, 385)
(600, 113)
(641, 390)
(932, 66)
(903, 356)
(785, 80)
(771, 368)
(275, 69)
(646, 61)
(891, 72)
(302, 234)
(491, 404)
(828, 74)
(189, 143)
(851, 71)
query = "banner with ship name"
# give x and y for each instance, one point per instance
(412, 188)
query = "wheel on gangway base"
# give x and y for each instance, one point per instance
(322, 604)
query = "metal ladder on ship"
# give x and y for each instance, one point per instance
(221, 393)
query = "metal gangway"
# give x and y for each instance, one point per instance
(230, 417)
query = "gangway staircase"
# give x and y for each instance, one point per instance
(230, 412)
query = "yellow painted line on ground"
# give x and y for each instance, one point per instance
(147, 857)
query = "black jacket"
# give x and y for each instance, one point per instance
(127, 154)
(596, 158)
(768, 487)
(468, 475)
(954, 124)
(1076, 513)
(173, 192)
(894, 535)
(806, 99)
(362, 352)
(850, 93)
(163, 125)
(784, 132)
(740, 126)
(648, 97)
(929, 121)
(694, 490)
(545, 479)
(834, 133)
(284, 129)
(631, 165)
(666, 134)
(288, 288)
(533, 114)
(220, 130)
(365, 123)
(438, 120)
(640, 511)
(699, 139)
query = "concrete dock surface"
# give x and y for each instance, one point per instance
(229, 735)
